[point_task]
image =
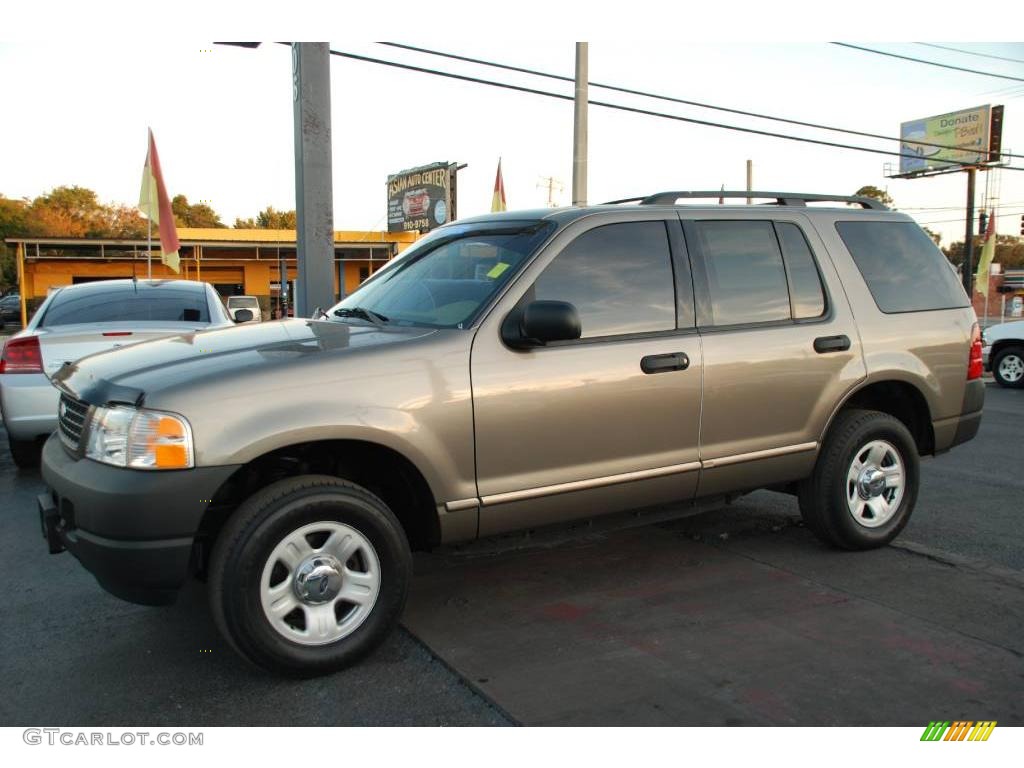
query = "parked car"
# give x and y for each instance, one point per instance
(251, 303)
(79, 320)
(10, 309)
(1003, 353)
(510, 371)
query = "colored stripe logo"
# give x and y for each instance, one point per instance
(960, 730)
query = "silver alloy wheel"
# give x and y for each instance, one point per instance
(875, 484)
(320, 583)
(1011, 368)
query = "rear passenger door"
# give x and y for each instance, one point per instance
(780, 346)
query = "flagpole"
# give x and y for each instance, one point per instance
(149, 217)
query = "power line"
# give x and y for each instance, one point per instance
(645, 94)
(973, 53)
(634, 110)
(931, 63)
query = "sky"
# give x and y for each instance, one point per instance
(77, 109)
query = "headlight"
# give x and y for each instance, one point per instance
(139, 439)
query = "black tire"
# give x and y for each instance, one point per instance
(248, 540)
(823, 497)
(26, 453)
(1008, 354)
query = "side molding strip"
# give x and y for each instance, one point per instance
(625, 477)
(582, 485)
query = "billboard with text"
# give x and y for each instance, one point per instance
(942, 142)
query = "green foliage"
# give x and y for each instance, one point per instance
(195, 215)
(1009, 252)
(269, 219)
(933, 235)
(878, 194)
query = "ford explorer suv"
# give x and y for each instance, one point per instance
(511, 371)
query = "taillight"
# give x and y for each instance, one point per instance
(974, 365)
(22, 355)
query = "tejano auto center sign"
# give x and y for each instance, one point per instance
(421, 198)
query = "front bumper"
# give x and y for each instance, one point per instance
(29, 403)
(986, 354)
(132, 529)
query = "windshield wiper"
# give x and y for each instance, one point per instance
(362, 313)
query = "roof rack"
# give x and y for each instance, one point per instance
(780, 198)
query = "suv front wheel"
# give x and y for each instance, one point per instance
(865, 482)
(309, 574)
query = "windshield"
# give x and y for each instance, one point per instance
(446, 278)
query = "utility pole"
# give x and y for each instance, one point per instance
(579, 143)
(314, 200)
(968, 265)
(750, 180)
(550, 183)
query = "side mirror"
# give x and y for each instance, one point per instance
(243, 315)
(541, 322)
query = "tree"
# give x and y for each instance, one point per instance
(878, 194)
(194, 215)
(269, 219)
(67, 212)
(1009, 252)
(933, 235)
(13, 222)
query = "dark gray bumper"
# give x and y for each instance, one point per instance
(132, 529)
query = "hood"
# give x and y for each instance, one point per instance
(131, 374)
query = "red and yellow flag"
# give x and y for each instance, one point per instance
(156, 206)
(498, 200)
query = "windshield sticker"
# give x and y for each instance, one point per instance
(497, 270)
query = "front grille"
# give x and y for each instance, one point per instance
(71, 418)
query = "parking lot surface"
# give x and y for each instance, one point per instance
(732, 617)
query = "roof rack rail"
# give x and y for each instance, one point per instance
(780, 198)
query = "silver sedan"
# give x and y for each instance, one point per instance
(79, 320)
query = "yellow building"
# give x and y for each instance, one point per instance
(236, 261)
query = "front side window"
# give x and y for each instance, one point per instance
(746, 276)
(619, 278)
(446, 278)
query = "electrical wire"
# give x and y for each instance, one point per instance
(661, 97)
(973, 53)
(931, 63)
(634, 110)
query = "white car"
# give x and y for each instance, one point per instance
(251, 303)
(1003, 353)
(79, 320)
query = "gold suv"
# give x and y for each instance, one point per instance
(511, 371)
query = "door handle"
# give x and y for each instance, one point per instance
(824, 344)
(674, 361)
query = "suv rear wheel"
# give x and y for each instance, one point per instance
(1008, 367)
(865, 482)
(309, 574)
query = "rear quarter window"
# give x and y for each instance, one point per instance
(902, 266)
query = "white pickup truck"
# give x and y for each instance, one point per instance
(1003, 353)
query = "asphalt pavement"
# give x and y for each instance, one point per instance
(943, 608)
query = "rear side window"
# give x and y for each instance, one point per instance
(619, 278)
(903, 268)
(126, 305)
(746, 276)
(805, 289)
